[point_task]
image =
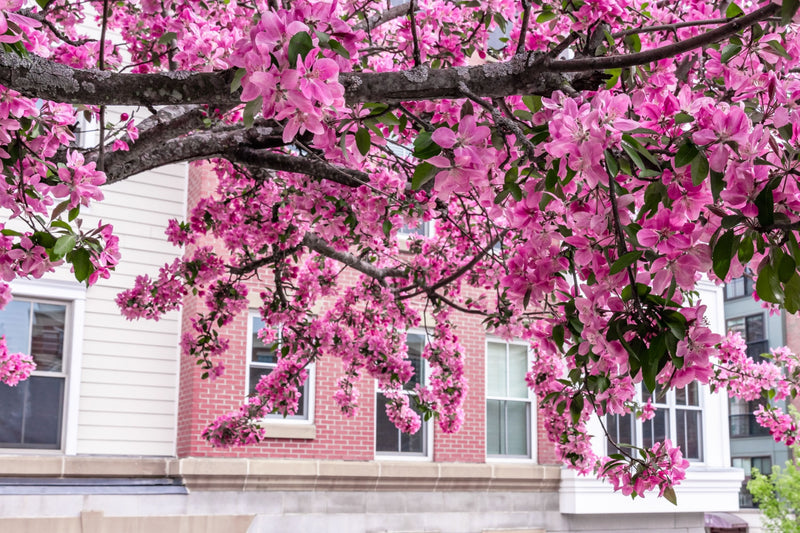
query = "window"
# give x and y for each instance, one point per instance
(508, 401)
(388, 439)
(752, 330)
(678, 417)
(739, 287)
(762, 464)
(423, 229)
(33, 411)
(262, 360)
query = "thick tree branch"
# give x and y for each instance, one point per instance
(37, 77)
(384, 17)
(380, 274)
(301, 165)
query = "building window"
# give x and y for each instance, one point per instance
(753, 331)
(678, 417)
(423, 229)
(509, 404)
(33, 411)
(263, 359)
(762, 465)
(739, 288)
(388, 439)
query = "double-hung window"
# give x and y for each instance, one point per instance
(262, 359)
(678, 417)
(753, 331)
(509, 405)
(33, 411)
(388, 439)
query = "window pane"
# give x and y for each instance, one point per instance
(47, 336)
(737, 325)
(497, 369)
(416, 343)
(620, 429)
(688, 433)
(43, 412)
(13, 401)
(517, 430)
(517, 368)
(688, 395)
(755, 328)
(261, 353)
(494, 436)
(32, 413)
(655, 429)
(15, 324)
(735, 288)
(389, 439)
(255, 377)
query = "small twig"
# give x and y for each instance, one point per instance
(412, 7)
(526, 20)
(671, 27)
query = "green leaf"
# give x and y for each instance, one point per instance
(558, 335)
(614, 74)
(722, 254)
(300, 44)
(81, 263)
(729, 52)
(683, 118)
(634, 155)
(717, 184)
(733, 11)
(545, 16)
(779, 49)
(699, 168)
(73, 213)
(363, 140)
(625, 261)
(337, 47)
(252, 108)
(634, 42)
(766, 206)
(669, 495)
(651, 359)
(767, 286)
(424, 147)
(44, 239)
(167, 37)
(792, 292)
(10, 233)
(611, 164)
(387, 228)
(64, 244)
(686, 154)
(533, 102)
(422, 174)
(576, 408)
(746, 250)
(786, 268)
(236, 83)
(788, 9)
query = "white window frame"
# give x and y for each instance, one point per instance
(670, 405)
(307, 398)
(428, 427)
(533, 445)
(73, 296)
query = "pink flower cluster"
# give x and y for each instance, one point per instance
(14, 367)
(663, 467)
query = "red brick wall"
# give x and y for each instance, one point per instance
(337, 437)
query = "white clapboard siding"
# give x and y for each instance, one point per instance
(129, 376)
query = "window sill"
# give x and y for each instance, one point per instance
(290, 431)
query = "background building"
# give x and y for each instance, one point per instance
(114, 441)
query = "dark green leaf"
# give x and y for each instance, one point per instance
(545, 16)
(634, 155)
(73, 213)
(44, 239)
(699, 168)
(729, 52)
(722, 254)
(717, 184)
(766, 206)
(611, 164)
(625, 261)
(576, 408)
(792, 292)
(788, 9)
(337, 47)
(683, 118)
(669, 495)
(686, 154)
(779, 49)
(786, 268)
(363, 140)
(733, 11)
(424, 147)
(767, 285)
(387, 228)
(558, 335)
(300, 44)
(251, 109)
(746, 249)
(81, 262)
(422, 174)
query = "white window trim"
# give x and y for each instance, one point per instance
(429, 427)
(73, 295)
(310, 382)
(670, 404)
(534, 421)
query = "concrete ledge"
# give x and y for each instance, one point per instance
(83, 466)
(207, 474)
(97, 522)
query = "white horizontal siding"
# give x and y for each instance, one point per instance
(128, 389)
